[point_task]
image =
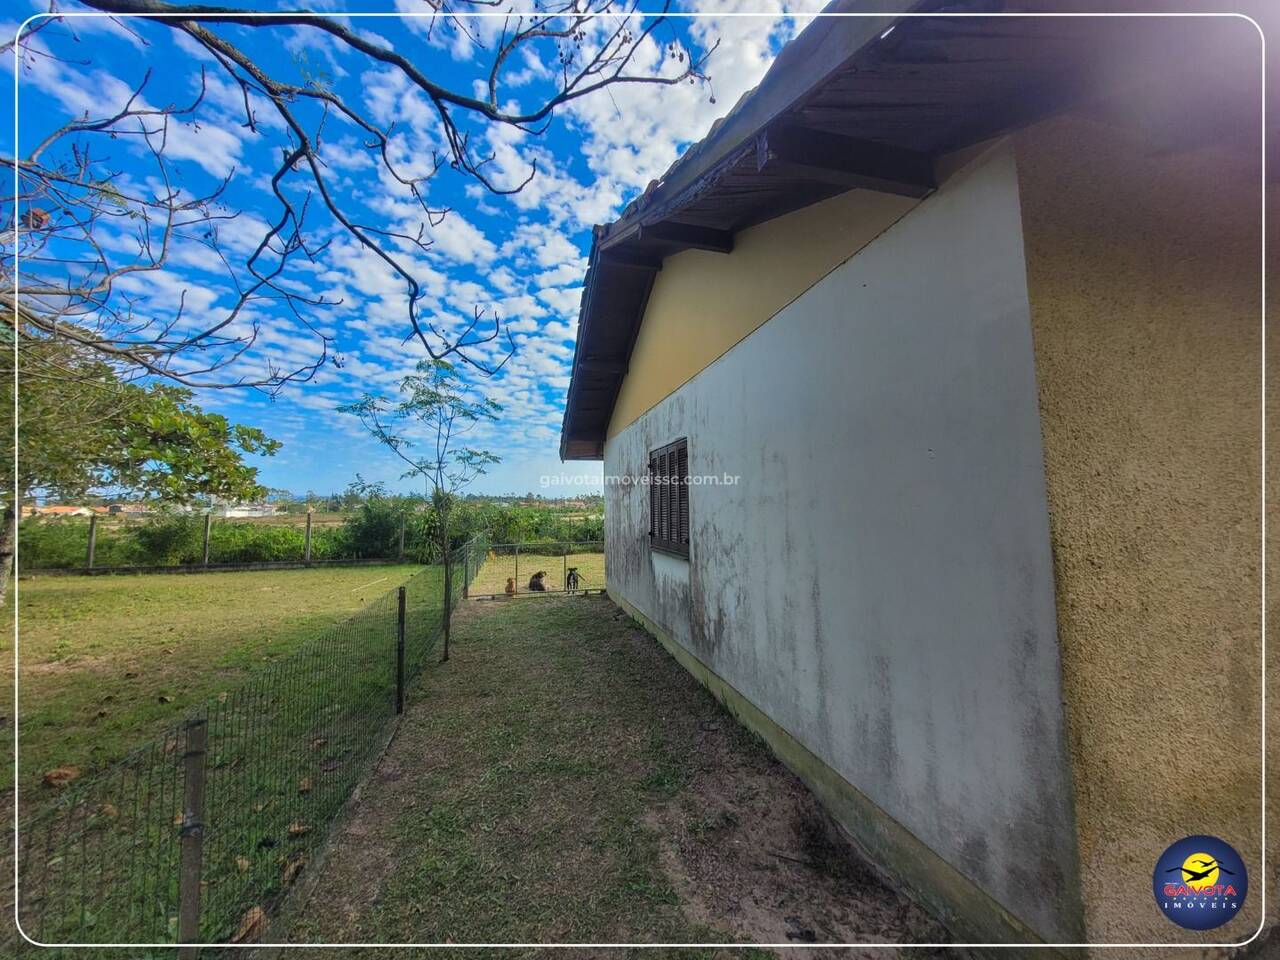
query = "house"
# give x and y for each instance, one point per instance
(927, 390)
(128, 509)
(64, 510)
(240, 510)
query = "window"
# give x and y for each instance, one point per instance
(669, 498)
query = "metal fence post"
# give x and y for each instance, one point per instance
(208, 522)
(306, 545)
(564, 571)
(400, 650)
(93, 540)
(448, 602)
(191, 838)
(466, 570)
(517, 568)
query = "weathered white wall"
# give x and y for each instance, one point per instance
(880, 580)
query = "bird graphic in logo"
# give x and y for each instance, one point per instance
(1200, 870)
(1200, 882)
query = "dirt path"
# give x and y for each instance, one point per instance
(562, 779)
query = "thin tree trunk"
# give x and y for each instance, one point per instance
(8, 541)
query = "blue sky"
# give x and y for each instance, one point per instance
(521, 257)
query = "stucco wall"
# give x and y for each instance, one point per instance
(879, 582)
(1143, 269)
(703, 303)
(1273, 565)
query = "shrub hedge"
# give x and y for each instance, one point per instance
(372, 531)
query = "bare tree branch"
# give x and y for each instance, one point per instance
(72, 203)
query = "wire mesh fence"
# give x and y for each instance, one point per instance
(510, 569)
(195, 837)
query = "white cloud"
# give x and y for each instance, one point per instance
(98, 94)
(229, 99)
(347, 154)
(561, 300)
(302, 41)
(455, 237)
(167, 289)
(565, 273)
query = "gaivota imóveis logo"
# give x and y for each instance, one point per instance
(1200, 882)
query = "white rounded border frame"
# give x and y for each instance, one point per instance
(683, 15)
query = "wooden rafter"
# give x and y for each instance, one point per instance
(804, 153)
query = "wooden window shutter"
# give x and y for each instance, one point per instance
(669, 498)
(664, 495)
(682, 495)
(653, 497)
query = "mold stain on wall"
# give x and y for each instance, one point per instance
(862, 586)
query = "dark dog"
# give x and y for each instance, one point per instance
(535, 582)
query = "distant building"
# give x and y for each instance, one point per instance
(61, 510)
(128, 509)
(234, 510)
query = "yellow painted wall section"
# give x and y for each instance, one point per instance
(1144, 276)
(703, 303)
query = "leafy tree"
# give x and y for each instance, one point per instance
(374, 526)
(82, 428)
(424, 429)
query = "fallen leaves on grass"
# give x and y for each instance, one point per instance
(165, 698)
(298, 828)
(292, 867)
(59, 777)
(242, 864)
(305, 785)
(108, 810)
(251, 925)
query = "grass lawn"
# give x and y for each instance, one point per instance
(561, 779)
(107, 662)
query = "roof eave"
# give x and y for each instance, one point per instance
(800, 67)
